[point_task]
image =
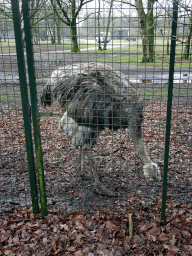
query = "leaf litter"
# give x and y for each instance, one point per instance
(22, 233)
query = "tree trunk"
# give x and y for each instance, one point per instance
(145, 41)
(188, 42)
(52, 39)
(150, 21)
(75, 47)
(107, 29)
(5, 35)
(58, 31)
(147, 29)
(73, 28)
(168, 34)
(99, 27)
(167, 47)
(53, 32)
(142, 18)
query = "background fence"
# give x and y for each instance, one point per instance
(134, 39)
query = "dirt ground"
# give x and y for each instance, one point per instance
(120, 170)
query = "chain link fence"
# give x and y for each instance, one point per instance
(133, 40)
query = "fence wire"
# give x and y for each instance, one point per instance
(137, 42)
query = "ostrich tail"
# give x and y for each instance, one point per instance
(46, 97)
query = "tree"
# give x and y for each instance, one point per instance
(99, 25)
(188, 40)
(6, 24)
(146, 20)
(51, 25)
(68, 15)
(36, 14)
(108, 23)
(168, 32)
(147, 29)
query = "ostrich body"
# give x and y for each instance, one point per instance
(94, 97)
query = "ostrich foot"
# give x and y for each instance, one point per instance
(151, 170)
(101, 190)
(83, 174)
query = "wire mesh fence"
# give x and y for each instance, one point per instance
(133, 42)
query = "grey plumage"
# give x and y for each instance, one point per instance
(94, 97)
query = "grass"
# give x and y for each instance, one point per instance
(153, 93)
(44, 45)
(11, 93)
(137, 60)
(65, 45)
(129, 52)
(7, 47)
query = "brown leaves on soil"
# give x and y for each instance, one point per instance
(119, 168)
(22, 233)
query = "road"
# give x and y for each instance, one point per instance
(46, 61)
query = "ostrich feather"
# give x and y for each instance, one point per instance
(93, 97)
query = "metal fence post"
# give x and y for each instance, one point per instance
(25, 102)
(34, 105)
(169, 106)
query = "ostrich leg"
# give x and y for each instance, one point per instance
(97, 187)
(81, 162)
(150, 169)
(81, 167)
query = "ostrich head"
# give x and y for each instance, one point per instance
(151, 170)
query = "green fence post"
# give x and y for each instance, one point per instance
(169, 106)
(34, 106)
(25, 103)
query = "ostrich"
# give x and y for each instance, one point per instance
(94, 97)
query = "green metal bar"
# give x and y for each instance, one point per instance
(169, 106)
(25, 103)
(34, 106)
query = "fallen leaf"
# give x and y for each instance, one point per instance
(54, 246)
(79, 253)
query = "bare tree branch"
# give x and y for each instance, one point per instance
(63, 11)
